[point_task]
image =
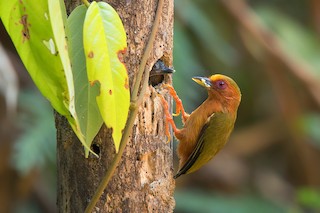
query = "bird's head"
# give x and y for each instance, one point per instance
(221, 88)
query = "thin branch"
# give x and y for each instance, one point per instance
(145, 56)
(147, 52)
(85, 2)
(115, 162)
(135, 102)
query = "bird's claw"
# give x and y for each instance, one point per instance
(168, 139)
(175, 114)
(179, 105)
(168, 119)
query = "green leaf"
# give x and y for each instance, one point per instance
(28, 24)
(85, 104)
(58, 19)
(37, 31)
(104, 39)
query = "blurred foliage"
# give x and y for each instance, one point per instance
(309, 124)
(36, 146)
(219, 203)
(309, 198)
(296, 39)
(208, 40)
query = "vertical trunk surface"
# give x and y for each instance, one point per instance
(143, 180)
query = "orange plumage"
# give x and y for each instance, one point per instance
(206, 129)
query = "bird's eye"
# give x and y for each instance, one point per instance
(221, 84)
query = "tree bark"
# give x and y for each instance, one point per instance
(143, 180)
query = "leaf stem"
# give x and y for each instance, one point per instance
(85, 2)
(135, 103)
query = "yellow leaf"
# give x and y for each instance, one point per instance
(104, 41)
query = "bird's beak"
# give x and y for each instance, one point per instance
(168, 70)
(155, 72)
(160, 68)
(203, 81)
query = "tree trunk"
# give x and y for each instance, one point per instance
(143, 180)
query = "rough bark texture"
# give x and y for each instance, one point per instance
(143, 180)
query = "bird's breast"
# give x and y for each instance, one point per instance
(192, 128)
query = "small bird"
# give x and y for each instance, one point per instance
(207, 129)
(158, 71)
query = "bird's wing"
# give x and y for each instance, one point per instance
(197, 150)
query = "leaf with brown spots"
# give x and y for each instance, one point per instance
(25, 30)
(105, 36)
(37, 31)
(86, 91)
(90, 54)
(28, 24)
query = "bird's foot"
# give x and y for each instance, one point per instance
(168, 118)
(179, 105)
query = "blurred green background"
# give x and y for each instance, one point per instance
(272, 161)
